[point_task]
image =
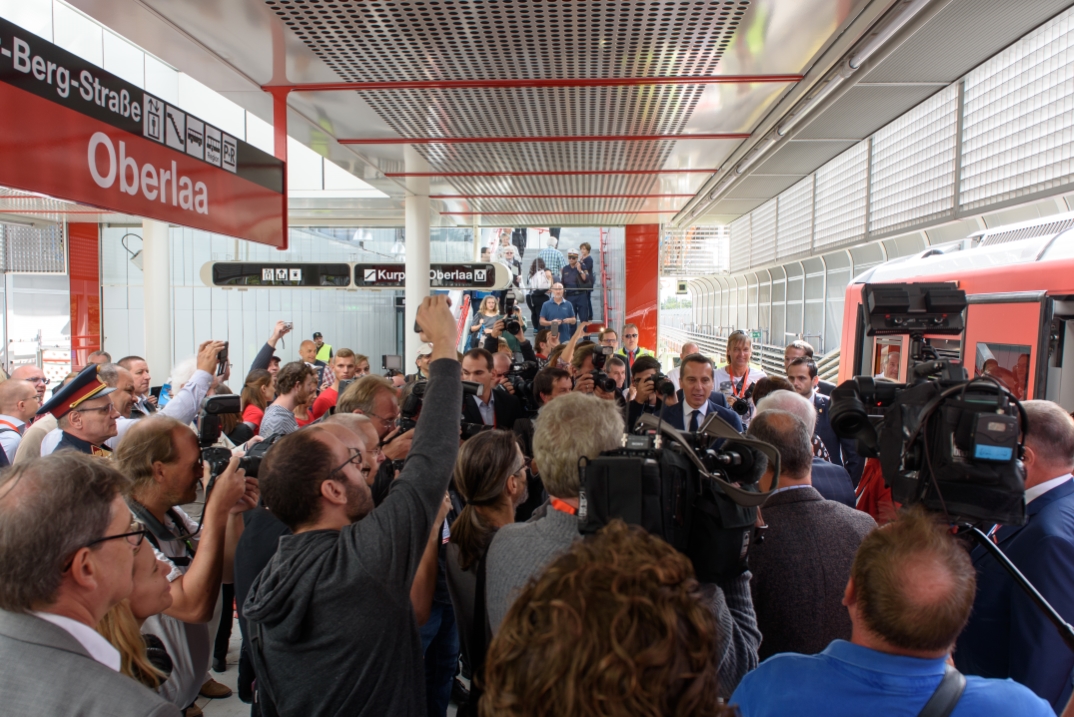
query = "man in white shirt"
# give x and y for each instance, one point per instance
(687, 348)
(18, 406)
(56, 585)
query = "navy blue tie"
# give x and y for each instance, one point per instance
(693, 420)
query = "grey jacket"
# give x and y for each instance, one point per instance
(800, 570)
(47, 672)
(522, 550)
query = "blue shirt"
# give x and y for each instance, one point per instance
(552, 311)
(851, 680)
(553, 260)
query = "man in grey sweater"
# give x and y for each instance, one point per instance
(332, 628)
(578, 425)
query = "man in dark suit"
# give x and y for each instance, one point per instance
(802, 373)
(695, 405)
(495, 406)
(799, 349)
(1007, 635)
(831, 481)
(66, 558)
(800, 569)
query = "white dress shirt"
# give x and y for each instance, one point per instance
(98, 648)
(687, 410)
(9, 440)
(183, 408)
(673, 376)
(1041, 488)
(488, 413)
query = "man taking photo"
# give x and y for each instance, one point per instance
(334, 600)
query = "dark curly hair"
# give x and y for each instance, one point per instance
(615, 627)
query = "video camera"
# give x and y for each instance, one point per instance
(209, 429)
(697, 491)
(950, 443)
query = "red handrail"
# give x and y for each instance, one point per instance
(604, 273)
(464, 314)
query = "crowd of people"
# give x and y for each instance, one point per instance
(412, 541)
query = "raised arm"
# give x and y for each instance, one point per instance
(264, 356)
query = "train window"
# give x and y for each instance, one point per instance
(1007, 363)
(887, 358)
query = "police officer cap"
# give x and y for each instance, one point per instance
(83, 387)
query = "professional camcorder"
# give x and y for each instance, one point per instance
(209, 429)
(698, 491)
(952, 444)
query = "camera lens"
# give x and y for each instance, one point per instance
(741, 407)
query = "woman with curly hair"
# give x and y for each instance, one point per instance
(617, 626)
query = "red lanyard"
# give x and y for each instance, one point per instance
(745, 376)
(564, 507)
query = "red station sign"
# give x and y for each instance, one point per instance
(70, 130)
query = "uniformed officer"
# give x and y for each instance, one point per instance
(84, 413)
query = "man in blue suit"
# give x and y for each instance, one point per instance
(802, 373)
(697, 373)
(1008, 636)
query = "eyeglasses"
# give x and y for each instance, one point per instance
(388, 421)
(630, 336)
(40, 380)
(356, 457)
(135, 536)
(106, 408)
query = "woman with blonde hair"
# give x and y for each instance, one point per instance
(142, 657)
(487, 315)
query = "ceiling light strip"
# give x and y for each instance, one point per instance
(551, 82)
(548, 138)
(524, 212)
(560, 196)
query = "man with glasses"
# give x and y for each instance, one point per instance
(335, 599)
(35, 376)
(84, 413)
(630, 349)
(56, 585)
(162, 459)
(19, 403)
(374, 397)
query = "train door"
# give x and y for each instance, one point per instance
(1059, 346)
(1003, 339)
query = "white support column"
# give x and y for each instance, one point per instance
(157, 282)
(417, 249)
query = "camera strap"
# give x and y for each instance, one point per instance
(947, 694)
(158, 532)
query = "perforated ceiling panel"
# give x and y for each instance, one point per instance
(451, 40)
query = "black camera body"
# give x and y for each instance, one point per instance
(209, 429)
(741, 405)
(411, 408)
(699, 492)
(662, 385)
(603, 381)
(601, 355)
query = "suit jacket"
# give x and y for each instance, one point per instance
(833, 482)
(825, 388)
(800, 570)
(505, 407)
(840, 449)
(674, 416)
(48, 672)
(1007, 635)
(715, 397)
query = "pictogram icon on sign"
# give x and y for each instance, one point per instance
(281, 274)
(174, 128)
(296, 275)
(229, 157)
(153, 118)
(212, 145)
(370, 275)
(479, 275)
(267, 274)
(195, 137)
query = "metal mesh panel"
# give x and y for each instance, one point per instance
(763, 249)
(913, 164)
(1032, 232)
(1019, 118)
(842, 194)
(794, 230)
(36, 251)
(693, 251)
(740, 243)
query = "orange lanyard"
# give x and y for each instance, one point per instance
(734, 392)
(564, 507)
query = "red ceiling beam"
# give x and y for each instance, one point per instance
(527, 213)
(545, 138)
(559, 196)
(554, 173)
(535, 82)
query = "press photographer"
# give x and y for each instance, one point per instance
(570, 428)
(334, 600)
(587, 364)
(163, 460)
(492, 406)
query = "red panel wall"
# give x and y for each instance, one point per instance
(643, 280)
(84, 260)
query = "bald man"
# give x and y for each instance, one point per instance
(18, 405)
(35, 376)
(687, 348)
